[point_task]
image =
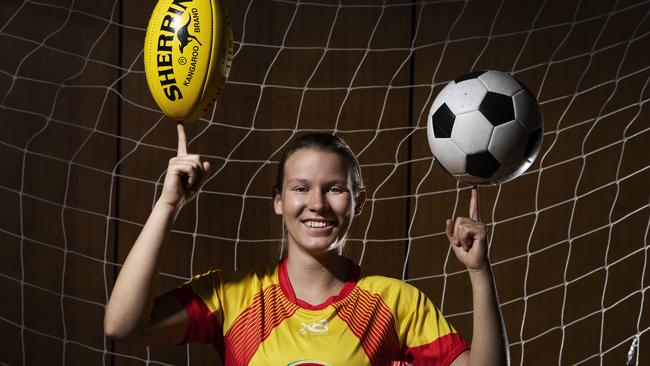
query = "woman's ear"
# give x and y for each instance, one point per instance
(277, 202)
(359, 201)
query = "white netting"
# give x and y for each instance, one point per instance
(85, 148)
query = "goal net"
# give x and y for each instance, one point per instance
(84, 151)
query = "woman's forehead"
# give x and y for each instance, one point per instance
(310, 162)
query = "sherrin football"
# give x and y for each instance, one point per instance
(485, 127)
(187, 55)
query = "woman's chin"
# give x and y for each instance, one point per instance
(321, 246)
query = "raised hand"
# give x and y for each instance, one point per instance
(185, 174)
(467, 237)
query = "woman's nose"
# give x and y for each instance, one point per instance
(316, 200)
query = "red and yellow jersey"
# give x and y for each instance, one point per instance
(256, 319)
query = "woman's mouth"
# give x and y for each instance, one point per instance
(317, 224)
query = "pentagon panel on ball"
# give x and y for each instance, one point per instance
(485, 127)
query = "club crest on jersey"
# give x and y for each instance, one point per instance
(308, 363)
(319, 327)
(170, 29)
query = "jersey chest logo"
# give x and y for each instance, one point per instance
(319, 327)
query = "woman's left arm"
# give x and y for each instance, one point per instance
(467, 237)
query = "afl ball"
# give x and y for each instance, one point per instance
(187, 56)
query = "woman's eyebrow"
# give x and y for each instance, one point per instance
(298, 180)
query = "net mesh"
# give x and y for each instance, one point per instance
(85, 148)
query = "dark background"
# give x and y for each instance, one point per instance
(84, 149)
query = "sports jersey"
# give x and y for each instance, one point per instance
(256, 319)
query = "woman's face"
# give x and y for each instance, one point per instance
(316, 202)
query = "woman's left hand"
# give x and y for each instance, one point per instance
(468, 237)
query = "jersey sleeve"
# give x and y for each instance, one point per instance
(202, 299)
(430, 339)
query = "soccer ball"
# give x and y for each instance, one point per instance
(485, 127)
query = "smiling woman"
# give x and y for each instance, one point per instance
(316, 201)
(319, 175)
(314, 300)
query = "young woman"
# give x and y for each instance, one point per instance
(313, 307)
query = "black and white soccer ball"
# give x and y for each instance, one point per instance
(485, 127)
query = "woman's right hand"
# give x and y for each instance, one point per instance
(185, 174)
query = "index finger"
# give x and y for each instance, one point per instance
(473, 205)
(182, 140)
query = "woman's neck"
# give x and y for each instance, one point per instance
(315, 279)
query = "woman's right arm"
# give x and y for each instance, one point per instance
(131, 312)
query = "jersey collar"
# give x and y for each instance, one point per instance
(287, 288)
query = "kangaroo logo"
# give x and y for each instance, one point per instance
(184, 36)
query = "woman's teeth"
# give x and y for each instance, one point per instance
(316, 224)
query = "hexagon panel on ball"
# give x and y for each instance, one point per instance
(508, 142)
(466, 96)
(534, 144)
(472, 132)
(500, 82)
(509, 172)
(448, 155)
(527, 110)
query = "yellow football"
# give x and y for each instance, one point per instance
(187, 55)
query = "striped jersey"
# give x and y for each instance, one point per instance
(256, 319)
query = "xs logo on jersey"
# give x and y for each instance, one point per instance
(319, 327)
